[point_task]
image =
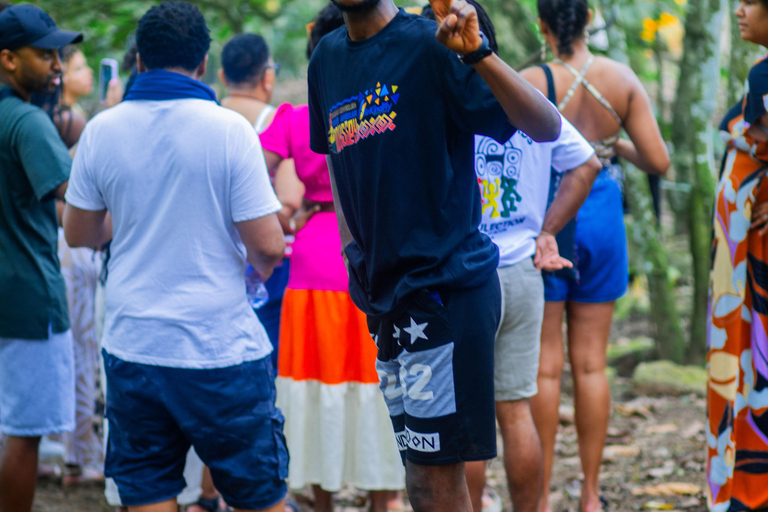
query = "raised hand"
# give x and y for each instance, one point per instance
(457, 25)
(548, 255)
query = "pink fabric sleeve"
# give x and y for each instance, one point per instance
(277, 136)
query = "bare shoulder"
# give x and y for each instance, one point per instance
(623, 74)
(536, 77)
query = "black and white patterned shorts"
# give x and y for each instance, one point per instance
(435, 365)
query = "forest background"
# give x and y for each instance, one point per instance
(687, 52)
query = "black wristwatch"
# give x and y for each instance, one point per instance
(479, 54)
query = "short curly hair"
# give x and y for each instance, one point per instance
(245, 59)
(173, 35)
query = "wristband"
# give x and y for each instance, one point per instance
(546, 233)
(292, 225)
(479, 54)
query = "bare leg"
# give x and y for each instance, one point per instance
(522, 454)
(207, 490)
(545, 405)
(163, 506)
(18, 473)
(378, 501)
(395, 500)
(475, 472)
(323, 499)
(589, 327)
(437, 488)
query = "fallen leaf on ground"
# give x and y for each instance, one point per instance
(667, 489)
(658, 505)
(690, 502)
(633, 409)
(693, 430)
(661, 472)
(661, 429)
(620, 450)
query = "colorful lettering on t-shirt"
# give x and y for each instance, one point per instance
(368, 113)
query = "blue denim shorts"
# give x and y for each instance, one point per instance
(228, 414)
(37, 386)
(601, 250)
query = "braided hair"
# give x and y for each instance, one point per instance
(567, 19)
(486, 25)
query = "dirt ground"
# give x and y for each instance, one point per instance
(652, 441)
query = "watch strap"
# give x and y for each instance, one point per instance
(479, 54)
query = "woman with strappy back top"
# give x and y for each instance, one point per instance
(600, 97)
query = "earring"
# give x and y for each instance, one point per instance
(586, 36)
(543, 51)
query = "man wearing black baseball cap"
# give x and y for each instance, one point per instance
(36, 358)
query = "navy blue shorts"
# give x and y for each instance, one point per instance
(228, 414)
(435, 365)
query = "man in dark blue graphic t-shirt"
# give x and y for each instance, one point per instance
(396, 109)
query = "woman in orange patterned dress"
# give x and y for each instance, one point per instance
(737, 361)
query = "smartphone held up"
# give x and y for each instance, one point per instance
(107, 72)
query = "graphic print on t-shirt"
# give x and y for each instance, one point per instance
(367, 114)
(498, 172)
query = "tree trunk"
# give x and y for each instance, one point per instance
(668, 335)
(645, 232)
(516, 30)
(693, 151)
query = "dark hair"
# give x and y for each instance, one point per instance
(244, 59)
(173, 35)
(486, 25)
(329, 19)
(129, 59)
(68, 52)
(567, 20)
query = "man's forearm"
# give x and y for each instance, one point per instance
(571, 194)
(526, 108)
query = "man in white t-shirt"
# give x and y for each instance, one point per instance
(515, 182)
(182, 184)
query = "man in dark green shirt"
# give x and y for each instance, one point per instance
(36, 359)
